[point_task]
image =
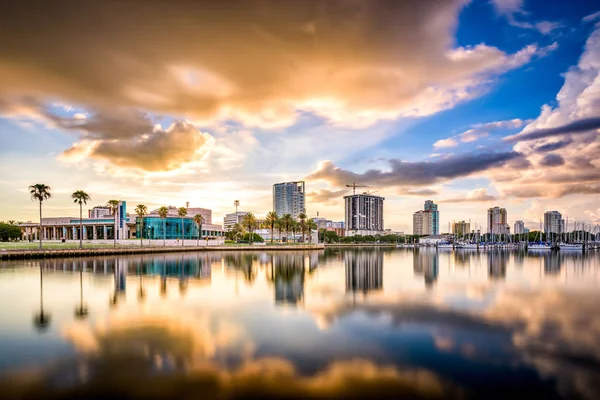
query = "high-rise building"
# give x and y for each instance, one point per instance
(435, 216)
(553, 222)
(364, 214)
(99, 212)
(233, 218)
(496, 218)
(288, 198)
(519, 228)
(461, 228)
(423, 223)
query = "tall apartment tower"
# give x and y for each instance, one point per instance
(288, 198)
(553, 222)
(496, 218)
(435, 216)
(519, 228)
(364, 214)
(423, 223)
(461, 228)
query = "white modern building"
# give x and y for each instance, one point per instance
(423, 223)
(233, 218)
(519, 228)
(289, 198)
(364, 214)
(99, 212)
(432, 240)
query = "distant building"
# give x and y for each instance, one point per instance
(288, 198)
(364, 214)
(435, 216)
(423, 223)
(232, 219)
(553, 222)
(99, 212)
(497, 221)
(461, 228)
(519, 228)
(435, 239)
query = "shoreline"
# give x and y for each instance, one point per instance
(57, 253)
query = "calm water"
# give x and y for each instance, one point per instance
(334, 323)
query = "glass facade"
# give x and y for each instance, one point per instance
(170, 228)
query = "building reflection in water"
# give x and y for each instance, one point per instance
(552, 263)
(364, 270)
(287, 275)
(497, 262)
(426, 261)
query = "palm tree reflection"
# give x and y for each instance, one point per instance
(81, 311)
(42, 320)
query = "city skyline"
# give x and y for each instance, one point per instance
(504, 116)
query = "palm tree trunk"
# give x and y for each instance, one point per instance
(40, 232)
(165, 233)
(80, 226)
(141, 231)
(114, 229)
(182, 233)
(271, 234)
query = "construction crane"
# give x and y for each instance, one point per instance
(354, 186)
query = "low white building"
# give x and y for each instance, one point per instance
(432, 240)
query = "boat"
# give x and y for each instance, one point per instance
(445, 246)
(469, 246)
(571, 246)
(539, 246)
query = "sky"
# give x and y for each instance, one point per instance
(472, 104)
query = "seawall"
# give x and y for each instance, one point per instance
(57, 253)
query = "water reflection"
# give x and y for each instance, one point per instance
(439, 324)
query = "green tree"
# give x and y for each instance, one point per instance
(182, 212)
(294, 227)
(162, 213)
(9, 232)
(271, 222)
(199, 220)
(302, 225)
(331, 237)
(234, 232)
(287, 222)
(250, 223)
(141, 211)
(279, 227)
(80, 197)
(40, 192)
(311, 225)
(114, 206)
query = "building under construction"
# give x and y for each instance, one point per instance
(364, 214)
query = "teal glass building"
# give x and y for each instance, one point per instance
(171, 228)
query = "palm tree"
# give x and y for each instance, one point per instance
(40, 192)
(287, 221)
(279, 227)
(162, 213)
(199, 219)
(80, 197)
(311, 225)
(294, 226)
(271, 221)
(182, 212)
(249, 222)
(114, 206)
(302, 224)
(141, 211)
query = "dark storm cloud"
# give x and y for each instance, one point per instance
(407, 173)
(552, 160)
(579, 126)
(553, 145)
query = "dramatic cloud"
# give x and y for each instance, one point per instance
(591, 17)
(326, 196)
(552, 160)
(159, 150)
(477, 195)
(478, 131)
(258, 62)
(405, 173)
(581, 126)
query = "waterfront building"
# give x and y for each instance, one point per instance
(329, 225)
(497, 221)
(461, 228)
(432, 240)
(233, 218)
(155, 227)
(553, 223)
(435, 216)
(364, 214)
(288, 198)
(423, 223)
(519, 228)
